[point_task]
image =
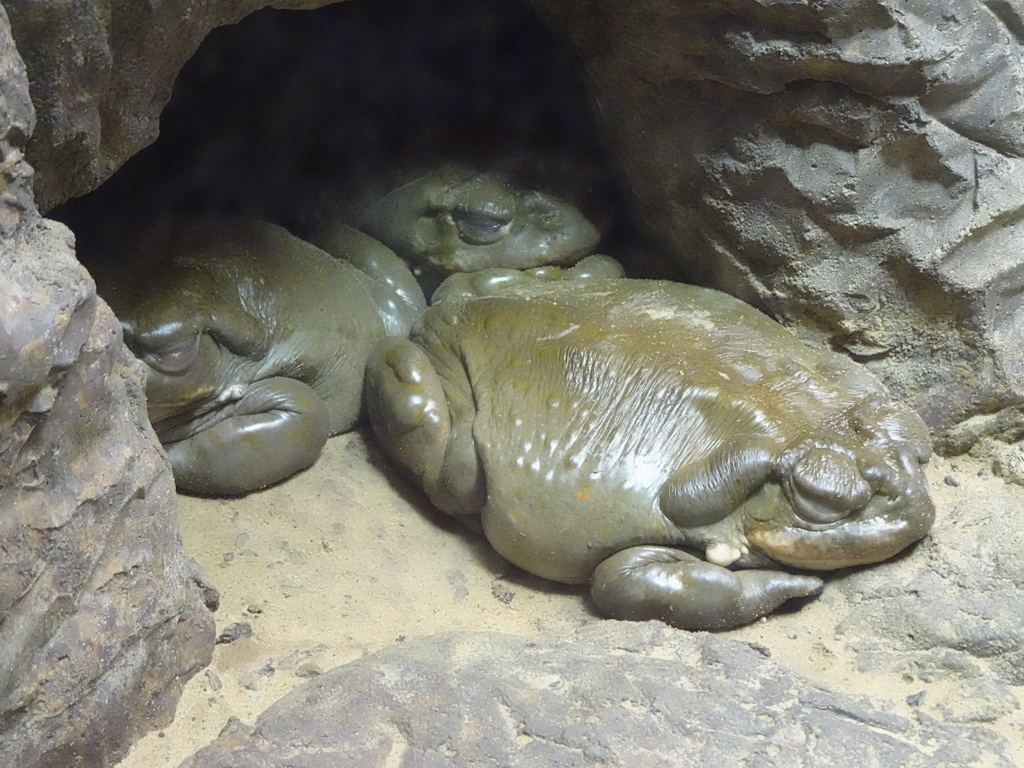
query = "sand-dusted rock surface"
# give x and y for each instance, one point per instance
(612, 694)
(954, 608)
(102, 620)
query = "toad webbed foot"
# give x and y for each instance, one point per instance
(276, 428)
(406, 405)
(597, 266)
(652, 582)
(497, 281)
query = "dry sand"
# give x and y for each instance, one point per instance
(346, 559)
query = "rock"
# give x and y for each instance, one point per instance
(17, 121)
(101, 623)
(854, 168)
(254, 678)
(1009, 463)
(102, 620)
(612, 693)
(100, 105)
(233, 632)
(309, 669)
(213, 681)
(949, 611)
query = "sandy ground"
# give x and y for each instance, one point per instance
(346, 559)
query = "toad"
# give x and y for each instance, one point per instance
(454, 217)
(254, 342)
(672, 447)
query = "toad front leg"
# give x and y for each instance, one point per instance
(416, 420)
(276, 428)
(650, 582)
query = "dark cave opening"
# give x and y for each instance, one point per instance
(289, 112)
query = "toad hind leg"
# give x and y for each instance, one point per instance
(279, 427)
(650, 582)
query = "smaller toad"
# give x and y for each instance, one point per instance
(456, 218)
(254, 342)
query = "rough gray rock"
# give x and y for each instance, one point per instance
(613, 693)
(100, 105)
(17, 120)
(855, 168)
(951, 610)
(101, 617)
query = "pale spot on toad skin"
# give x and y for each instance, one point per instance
(722, 553)
(702, 319)
(232, 392)
(560, 334)
(698, 318)
(644, 472)
(660, 314)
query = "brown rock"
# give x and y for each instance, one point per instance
(102, 618)
(101, 622)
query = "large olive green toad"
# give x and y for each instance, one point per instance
(606, 430)
(455, 218)
(255, 343)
